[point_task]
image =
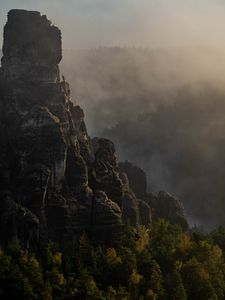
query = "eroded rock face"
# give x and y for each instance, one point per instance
(140, 207)
(105, 170)
(165, 206)
(46, 152)
(135, 211)
(136, 177)
(55, 183)
(32, 48)
(106, 218)
(84, 140)
(17, 221)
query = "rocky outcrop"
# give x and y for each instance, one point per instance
(84, 140)
(135, 211)
(107, 175)
(165, 206)
(55, 183)
(140, 207)
(136, 176)
(106, 217)
(32, 48)
(46, 152)
(105, 171)
(17, 221)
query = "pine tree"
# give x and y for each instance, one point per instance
(156, 281)
(175, 287)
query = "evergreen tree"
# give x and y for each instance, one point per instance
(175, 288)
(197, 281)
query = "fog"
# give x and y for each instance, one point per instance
(164, 109)
(150, 75)
(140, 23)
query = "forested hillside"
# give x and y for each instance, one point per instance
(160, 262)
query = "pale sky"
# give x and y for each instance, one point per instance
(141, 23)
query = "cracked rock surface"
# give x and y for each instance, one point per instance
(55, 182)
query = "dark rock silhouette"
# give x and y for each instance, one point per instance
(55, 183)
(105, 170)
(165, 206)
(46, 151)
(148, 206)
(136, 177)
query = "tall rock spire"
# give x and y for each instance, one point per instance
(46, 151)
(32, 48)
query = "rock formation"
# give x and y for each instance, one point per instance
(165, 206)
(46, 151)
(55, 182)
(105, 170)
(137, 202)
(136, 177)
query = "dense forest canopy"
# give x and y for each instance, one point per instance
(160, 262)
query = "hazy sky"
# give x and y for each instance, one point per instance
(147, 23)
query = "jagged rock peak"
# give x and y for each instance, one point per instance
(32, 47)
(46, 154)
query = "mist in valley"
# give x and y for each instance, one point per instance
(164, 110)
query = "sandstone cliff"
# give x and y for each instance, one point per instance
(55, 182)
